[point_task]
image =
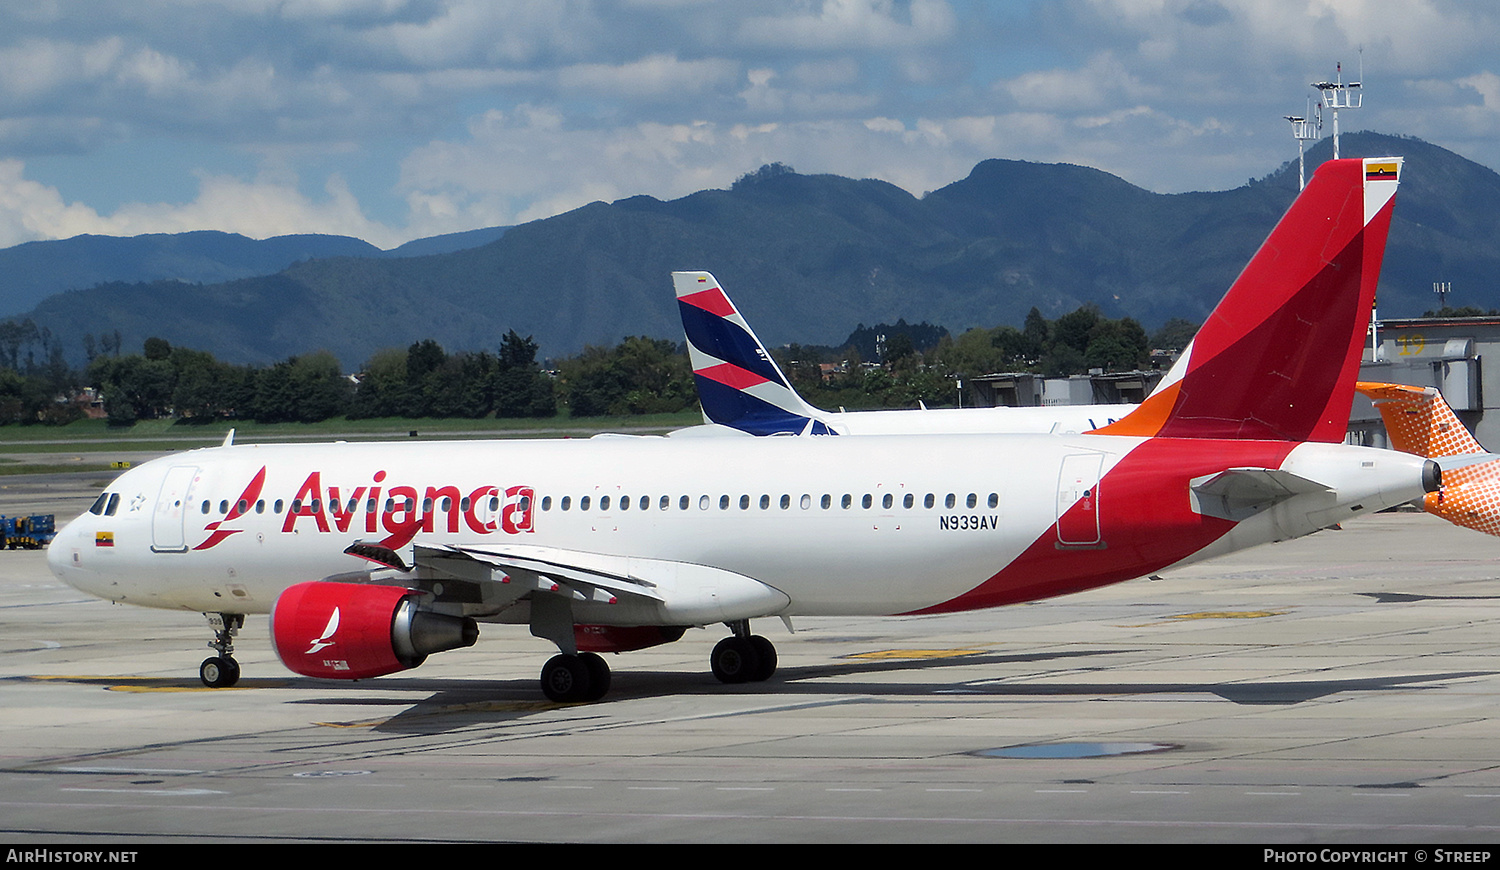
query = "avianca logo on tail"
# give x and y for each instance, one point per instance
(400, 511)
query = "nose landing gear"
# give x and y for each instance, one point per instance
(222, 671)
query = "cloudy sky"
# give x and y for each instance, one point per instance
(397, 119)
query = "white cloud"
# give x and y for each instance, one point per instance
(655, 76)
(29, 210)
(853, 24)
(535, 106)
(262, 208)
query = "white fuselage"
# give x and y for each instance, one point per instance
(1053, 419)
(909, 522)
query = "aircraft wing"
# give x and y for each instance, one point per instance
(618, 590)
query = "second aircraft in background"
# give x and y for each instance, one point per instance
(1419, 422)
(740, 385)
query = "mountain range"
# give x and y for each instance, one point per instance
(806, 257)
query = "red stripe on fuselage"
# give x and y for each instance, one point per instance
(712, 300)
(1146, 523)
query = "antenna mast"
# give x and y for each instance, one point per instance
(1304, 130)
(1339, 94)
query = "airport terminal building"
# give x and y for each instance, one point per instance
(1457, 355)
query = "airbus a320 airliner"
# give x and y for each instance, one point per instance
(370, 557)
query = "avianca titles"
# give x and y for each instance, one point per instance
(369, 557)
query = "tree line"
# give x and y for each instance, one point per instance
(879, 366)
(898, 366)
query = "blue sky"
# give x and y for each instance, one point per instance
(397, 119)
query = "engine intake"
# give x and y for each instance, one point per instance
(350, 631)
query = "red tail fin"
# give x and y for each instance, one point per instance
(1278, 357)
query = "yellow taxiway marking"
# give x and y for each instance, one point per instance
(152, 684)
(1229, 614)
(915, 654)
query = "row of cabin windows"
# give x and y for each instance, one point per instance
(826, 502)
(107, 505)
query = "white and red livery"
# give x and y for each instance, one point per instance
(369, 557)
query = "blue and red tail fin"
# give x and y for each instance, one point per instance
(739, 384)
(1278, 358)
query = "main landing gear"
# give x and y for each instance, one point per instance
(571, 678)
(743, 657)
(222, 671)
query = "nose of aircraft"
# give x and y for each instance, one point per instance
(64, 555)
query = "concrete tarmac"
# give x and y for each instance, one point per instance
(1343, 688)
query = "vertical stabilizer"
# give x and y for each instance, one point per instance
(1277, 359)
(738, 383)
(1419, 422)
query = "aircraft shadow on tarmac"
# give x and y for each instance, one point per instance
(456, 704)
(1408, 597)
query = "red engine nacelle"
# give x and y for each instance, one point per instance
(618, 638)
(349, 631)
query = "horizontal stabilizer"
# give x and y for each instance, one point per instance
(1240, 493)
(1464, 460)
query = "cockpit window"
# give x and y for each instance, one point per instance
(97, 507)
(114, 504)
